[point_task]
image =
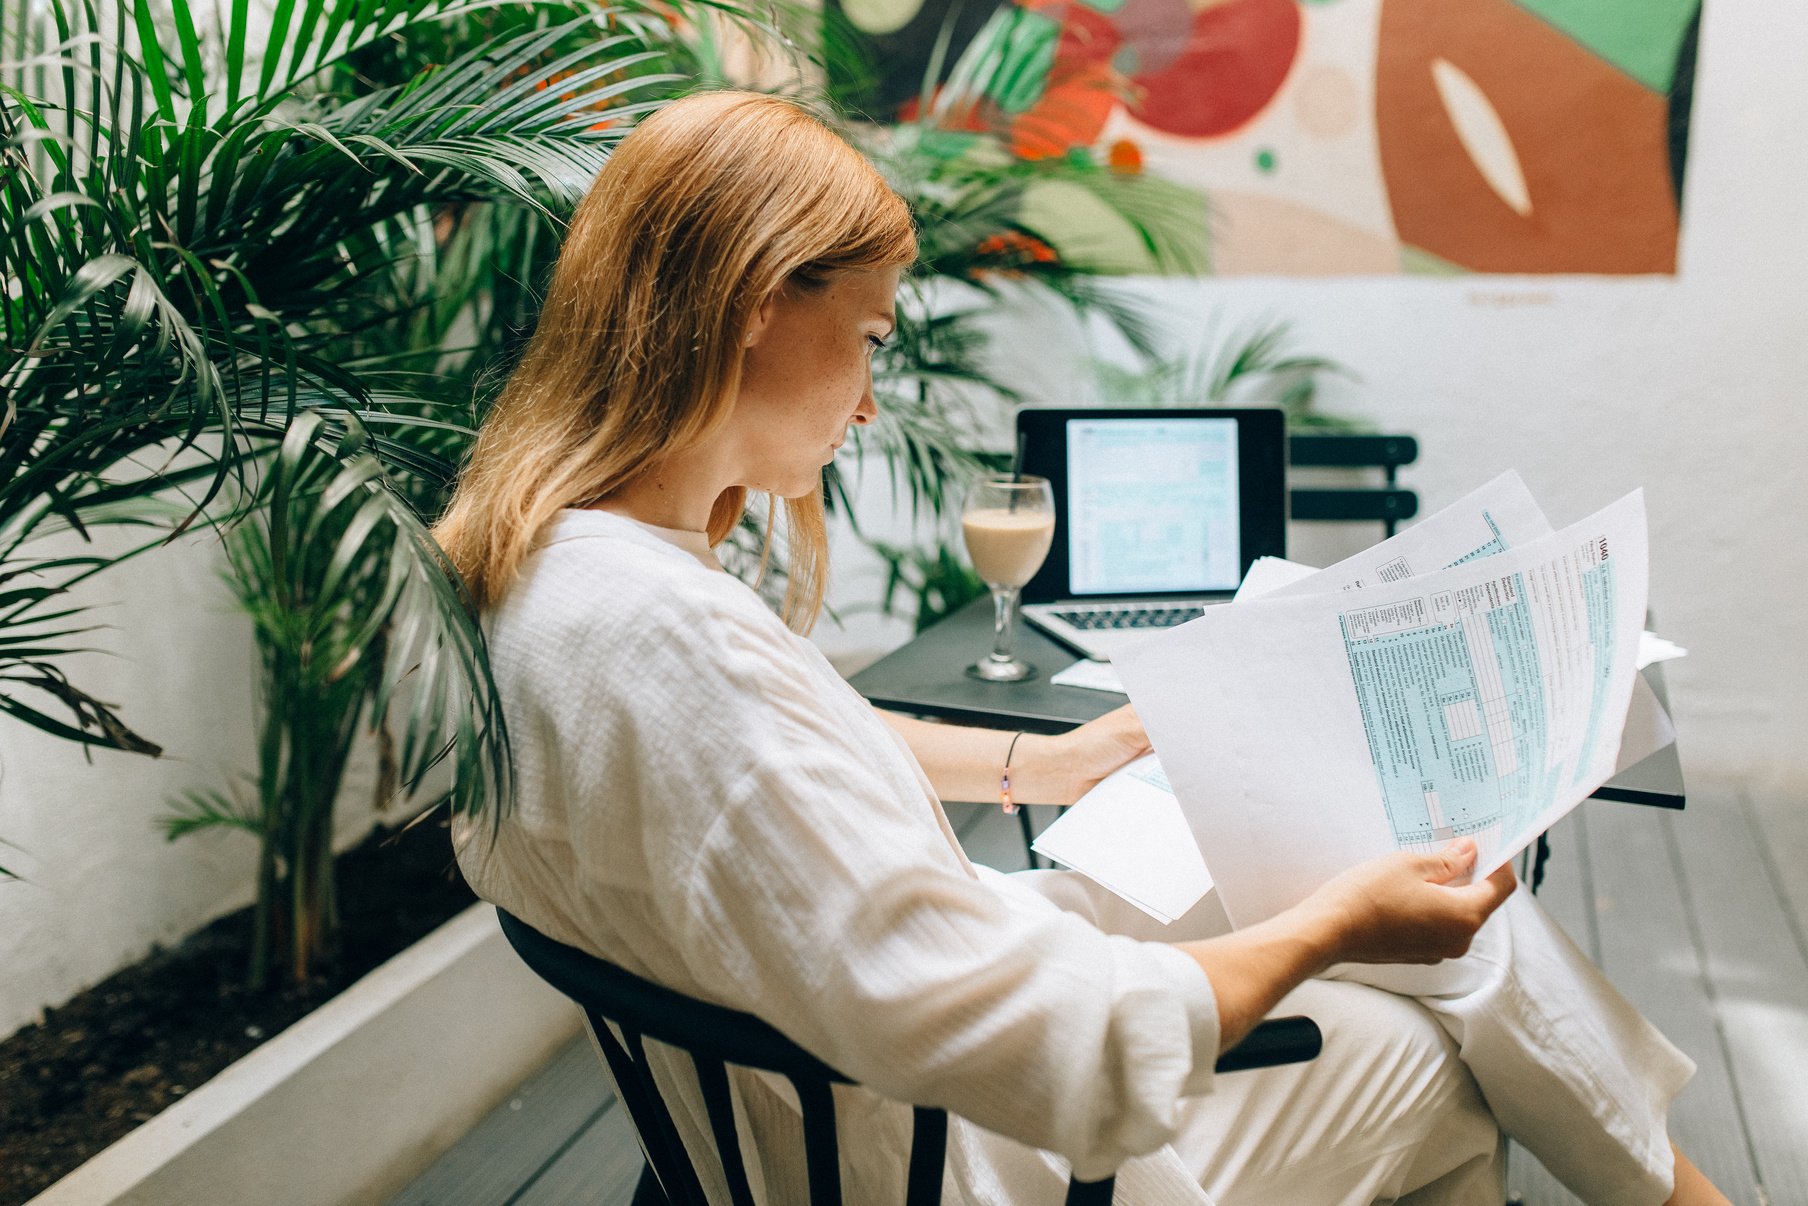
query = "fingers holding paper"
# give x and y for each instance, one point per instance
(1407, 907)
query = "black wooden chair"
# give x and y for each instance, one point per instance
(715, 1037)
(1387, 504)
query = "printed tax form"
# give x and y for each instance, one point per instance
(1481, 702)
(1306, 732)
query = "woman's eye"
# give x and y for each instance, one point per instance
(874, 343)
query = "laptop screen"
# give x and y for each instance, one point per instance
(1152, 505)
(1156, 502)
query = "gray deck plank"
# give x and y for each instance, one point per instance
(1568, 890)
(1759, 979)
(599, 1167)
(1651, 952)
(518, 1138)
(1783, 822)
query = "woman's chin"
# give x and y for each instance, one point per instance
(801, 488)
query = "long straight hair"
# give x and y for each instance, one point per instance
(706, 209)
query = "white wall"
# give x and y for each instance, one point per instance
(1692, 387)
(101, 885)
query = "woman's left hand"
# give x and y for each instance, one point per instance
(1081, 757)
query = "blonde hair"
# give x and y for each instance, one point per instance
(705, 210)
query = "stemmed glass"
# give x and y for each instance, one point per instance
(1009, 523)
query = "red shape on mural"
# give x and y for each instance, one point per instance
(1199, 74)
(1235, 61)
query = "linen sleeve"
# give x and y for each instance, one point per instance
(809, 883)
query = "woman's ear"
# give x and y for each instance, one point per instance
(762, 319)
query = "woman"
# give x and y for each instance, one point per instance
(701, 799)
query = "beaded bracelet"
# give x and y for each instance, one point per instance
(1004, 780)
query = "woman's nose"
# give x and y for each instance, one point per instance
(868, 410)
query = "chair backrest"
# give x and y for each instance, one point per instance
(1388, 503)
(617, 1001)
(715, 1037)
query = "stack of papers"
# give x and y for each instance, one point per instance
(1128, 834)
(1475, 675)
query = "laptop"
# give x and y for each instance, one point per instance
(1158, 515)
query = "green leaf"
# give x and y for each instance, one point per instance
(198, 810)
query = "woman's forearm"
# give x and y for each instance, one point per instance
(967, 763)
(1252, 969)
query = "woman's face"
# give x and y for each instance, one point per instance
(808, 377)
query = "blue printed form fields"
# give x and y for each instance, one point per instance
(1465, 709)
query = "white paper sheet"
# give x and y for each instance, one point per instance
(1094, 676)
(1653, 649)
(1305, 732)
(1269, 574)
(1500, 515)
(1648, 728)
(1129, 836)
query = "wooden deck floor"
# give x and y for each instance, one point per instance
(1701, 918)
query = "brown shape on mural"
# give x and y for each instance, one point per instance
(1591, 143)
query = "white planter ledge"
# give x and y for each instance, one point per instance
(349, 1104)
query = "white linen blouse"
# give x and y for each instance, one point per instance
(700, 798)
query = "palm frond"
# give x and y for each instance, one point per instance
(347, 558)
(1249, 363)
(205, 221)
(198, 810)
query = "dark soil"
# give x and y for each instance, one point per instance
(117, 1054)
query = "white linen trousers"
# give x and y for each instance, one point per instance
(702, 800)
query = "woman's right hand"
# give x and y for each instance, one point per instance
(1402, 908)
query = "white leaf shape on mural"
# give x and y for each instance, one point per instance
(1483, 135)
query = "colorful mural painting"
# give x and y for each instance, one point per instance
(1341, 137)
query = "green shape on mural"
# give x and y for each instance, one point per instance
(1416, 261)
(1265, 161)
(1640, 37)
(1092, 234)
(1104, 6)
(1017, 70)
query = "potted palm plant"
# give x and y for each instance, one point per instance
(252, 255)
(190, 231)
(215, 230)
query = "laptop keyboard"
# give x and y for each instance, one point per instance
(1129, 617)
